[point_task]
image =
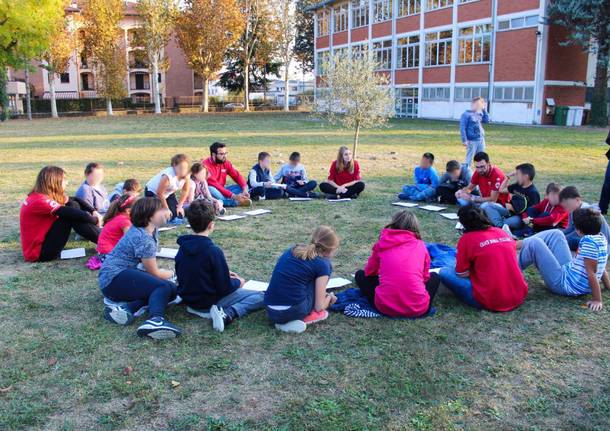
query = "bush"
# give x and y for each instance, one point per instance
(80, 105)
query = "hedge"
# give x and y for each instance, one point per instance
(82, 105)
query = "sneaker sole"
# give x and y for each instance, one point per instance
(292, 327)
(158, 334)
(198, 313)
(321, 319)
(118, 316)
(217, 323)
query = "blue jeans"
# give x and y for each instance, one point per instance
(298, 191)
(243, 301)
(139, 288)
(499, 216)
(460, 286)
(295, 312)
(417, 192)
(472, 148)
(228, 202)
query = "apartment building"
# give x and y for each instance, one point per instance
(439, 54)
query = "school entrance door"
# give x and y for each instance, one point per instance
(407, 102)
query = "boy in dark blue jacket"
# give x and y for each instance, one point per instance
(205, 284)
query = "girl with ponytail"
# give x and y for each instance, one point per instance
(296, 295)
(116, 224)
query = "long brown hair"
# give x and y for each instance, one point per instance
(49, 183)
(341, 165)
(119, 206)
(324, 240)
(405, 220)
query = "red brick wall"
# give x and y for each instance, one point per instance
(477, 10)
(323, 42)
(564, 96)
(438, 17)
(516, 55)
(340, 38)
(407, 24)
(406, 76)
(360, 33)
(179, 77)
(564, 63)
(511, 6)
(472, 73)
(382, 29)
(437, 74)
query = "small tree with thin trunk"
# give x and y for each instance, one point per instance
(354, 95)
(286, 39)
(205, 29)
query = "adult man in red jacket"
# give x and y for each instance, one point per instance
(218, 169)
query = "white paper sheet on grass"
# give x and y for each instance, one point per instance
(261, 286)
(300, 199)
(230, 217)
(257, 212)
(437, 270)
(405, 204)
(166, 228)
(340, 200)
(431, 208)
(73, 253)
(459, 226)
(450, 216)
(167, 253)
(335, 283)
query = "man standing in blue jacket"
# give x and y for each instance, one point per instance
(471, 128)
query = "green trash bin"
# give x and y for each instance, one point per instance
(561, 115)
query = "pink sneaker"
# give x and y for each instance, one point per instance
(315, 316)
(94, 263)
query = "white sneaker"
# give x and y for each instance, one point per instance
(201, 313)
(294, 326)
(506, 229)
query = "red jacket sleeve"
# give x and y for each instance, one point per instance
(332, 173)
(356, 171)
(557, 216)
(539, 207)
(235, 175)
(213, 178)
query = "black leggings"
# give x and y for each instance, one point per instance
(368, 284)
(171, 200)
(352, 191)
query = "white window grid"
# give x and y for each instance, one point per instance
(518, 22)
(438, 4)
(438, 48)
(474, 44)
(436, 93)
(408, 7)
(382, 54)
(340, 17)
(514, 94)
(407, 51)
(382, 10)
(466, 94)
(360, 13)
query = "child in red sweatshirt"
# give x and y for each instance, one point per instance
(548, 214)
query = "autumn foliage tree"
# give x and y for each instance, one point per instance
(205, 30)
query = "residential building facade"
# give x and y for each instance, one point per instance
(439, 54)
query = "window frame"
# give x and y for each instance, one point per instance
(412, 5)
(445, 41)
(323, 23)
(410, 47)
(480, 38)
(506, 24)
(385, 51)
(525, 89)
(427, 96)
(340, 19)
(432, 5)
(382, 10)
(360, 13)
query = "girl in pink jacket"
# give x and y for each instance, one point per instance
(397, 278)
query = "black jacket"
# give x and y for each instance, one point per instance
(203, 273)
(608, 142)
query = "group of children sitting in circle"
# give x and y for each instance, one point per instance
(396, 279)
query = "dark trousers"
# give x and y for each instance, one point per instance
(58, 235)
(368, 284)
(139, 288)
(604, 198)
(352, 191)
(298, 191)
(295, 312)
(172, 202)
(266, 192)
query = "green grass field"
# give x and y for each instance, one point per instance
(545, 365)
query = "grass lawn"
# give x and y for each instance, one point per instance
(545, 365)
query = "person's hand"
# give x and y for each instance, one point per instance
(512, 174)
(333, 298)
(342, 189)
(245, 194)
(180, 211)
(98, 216)
(268, 184)
(594, 305)
(168, 215)
(527, 220)
(218, 204)
(301, 182)
(166, 274)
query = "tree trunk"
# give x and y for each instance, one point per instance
(4, 103)
(286, 90)
(155, 85)
(204, 98)
(28, 95)
(109, 107)
(247, 85)
(599, 102)
(52, 94)
(356, 136)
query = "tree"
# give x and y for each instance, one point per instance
(157, 19)
(589, 25)
(232, 79)
(205, 30)
(303, 43)
(286, 39)
(355, 96)
(25, 32)
(101, 29)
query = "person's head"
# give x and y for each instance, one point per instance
(201, 214)
(295, 158)
(473, 218)
(570, 199)
(120, 206)
(264, 159)
(481, 163)
(454, 169)
(525, 174)
(219, 152)
(146, 211)
(199, 172)
(405, 220)
(477, 104)
(587, 221)
(427, 160)
(180, 163)
(132, 186)
(324, 243)
(345, 160)
(94, 173)
(552, 193)
(51, 181)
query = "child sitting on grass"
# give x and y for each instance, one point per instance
(562, 274)
(117, 222)
(131, 288)
(455, 178)
(91, 191)
(130, 186)
(296, 295)
(205, 284)
(570, 199)
(426, 181)
(166, 183)
(548, 214)
(199, 188)
(260, 180)
(294, 176)
(397, 278)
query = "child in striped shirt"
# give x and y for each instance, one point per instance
(562, 274)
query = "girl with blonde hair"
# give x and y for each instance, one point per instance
(297, 294)
(344, 179)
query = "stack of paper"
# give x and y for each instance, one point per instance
(300, 199)
(257, 212)
(405, 204)
(340, 200)
(436, 270)
(230, 217)
(165, 228)
(432, 208)
(167, 253)
(257, 286)
(335, 283)
(450, 216)
(73, 253)
(459, 226)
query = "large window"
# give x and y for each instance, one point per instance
(360, 13)
(407, 50)
(466, 94)
(408, 7)
(64, 78)
(520, 22)
(436, 93)
(474, 43)
(341, 52)
(438, 48)
(382, 54)
(438, 4)
(323, 23)
(406, 102)
(382, 10)
(322, 62)
(514, 94)
(340, 16)
(360, 51)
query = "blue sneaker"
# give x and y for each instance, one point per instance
(118, 314)
(176, 221)
(158, 328)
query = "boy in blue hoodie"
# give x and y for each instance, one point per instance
(206, 286)
(426, 181)
(471, 128)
